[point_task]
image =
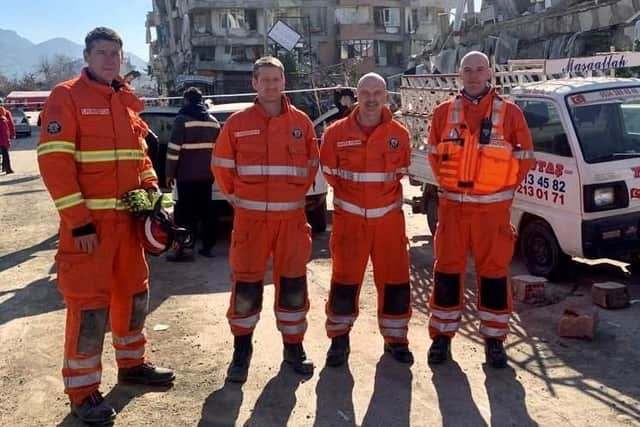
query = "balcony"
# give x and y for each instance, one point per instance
(223, 66)
(204, 40)
(202, 5)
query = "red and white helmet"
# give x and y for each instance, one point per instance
(157, 232)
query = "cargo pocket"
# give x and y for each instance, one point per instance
(251, 161)
(78, 275)
(505, 245)
(298, 163)
(494, 168)
(449, 156)
(242, 258)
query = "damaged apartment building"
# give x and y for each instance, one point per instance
(537, 29)
(212, 44)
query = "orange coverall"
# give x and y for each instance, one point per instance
(365, 172)
(265, 165)
(475, 218)
(91, 152)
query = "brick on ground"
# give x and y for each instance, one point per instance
(528, 289)
(610, 295)
(579, 322)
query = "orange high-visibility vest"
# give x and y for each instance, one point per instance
(466, 165)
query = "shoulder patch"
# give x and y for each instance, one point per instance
(296, 133)
(54, 127)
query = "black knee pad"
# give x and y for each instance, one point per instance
(139, 310)
(248, 298)
(93, 325)
(446, 289)
(396, 299)
(293, 292)
(342, 298)
(493, 293)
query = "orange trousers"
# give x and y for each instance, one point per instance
(353, 240)
(252, 242)
(110, 284)
(485, 231)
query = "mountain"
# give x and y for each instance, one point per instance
(20, 56)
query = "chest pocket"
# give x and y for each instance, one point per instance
(250, 160)
(298, 163)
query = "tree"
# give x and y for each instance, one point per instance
(55, 70)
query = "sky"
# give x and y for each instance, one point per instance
(41, 20)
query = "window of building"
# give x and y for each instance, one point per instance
(318, 19)
(201, 23)
(413, 22)
(356, 49)
(246, 19)
(387, 18)
(389, 54)
(206, 54)
(546, 127)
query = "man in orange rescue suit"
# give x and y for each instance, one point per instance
(91, 152)
(265, 160)
(480, 150)
(363, 157)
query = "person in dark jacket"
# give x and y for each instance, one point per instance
(188, 166)
(344, 99)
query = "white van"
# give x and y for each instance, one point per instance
(582, 196)
(160, 120)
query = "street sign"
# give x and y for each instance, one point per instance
(284, 35)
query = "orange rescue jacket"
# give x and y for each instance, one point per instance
(264, 164)
(482, 168)
(92, 149)
(365, 171)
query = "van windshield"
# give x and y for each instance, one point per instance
(607, 129)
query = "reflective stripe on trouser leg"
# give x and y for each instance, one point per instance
(393, 319)
(82, 366)
(291, 308)
(341, 308)
(445, 304)
(245, 307)
(130, 346)
(494, 307)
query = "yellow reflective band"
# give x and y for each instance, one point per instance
(68, 201)
(108, 155)
(149, 173)
(56, 147)
(101, 204)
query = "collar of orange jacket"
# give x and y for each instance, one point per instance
(286, 107)
(484, 101)
(129, 99)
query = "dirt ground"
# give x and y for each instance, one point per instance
(551, 381)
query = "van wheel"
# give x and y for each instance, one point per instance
(540, 250)
(317, 218)
(431, 209)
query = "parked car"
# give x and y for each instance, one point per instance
(160, 120)
(21, 122)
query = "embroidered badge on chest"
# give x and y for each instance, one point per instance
(394, 143)
(296, 133)
(54, 127)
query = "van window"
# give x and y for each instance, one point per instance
(161, 124)
(546, 127)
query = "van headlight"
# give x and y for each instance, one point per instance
(603, 196)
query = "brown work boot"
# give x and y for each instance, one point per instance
(295, 356)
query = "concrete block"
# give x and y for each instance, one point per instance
(578, 322)
(610, 295)
(528, 289)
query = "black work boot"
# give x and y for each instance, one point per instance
(339, 350)
(294, 355)
(148, 374)
(440, 350)
(242, 351)
(94, 410)
(494, 351)
(400, 352)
